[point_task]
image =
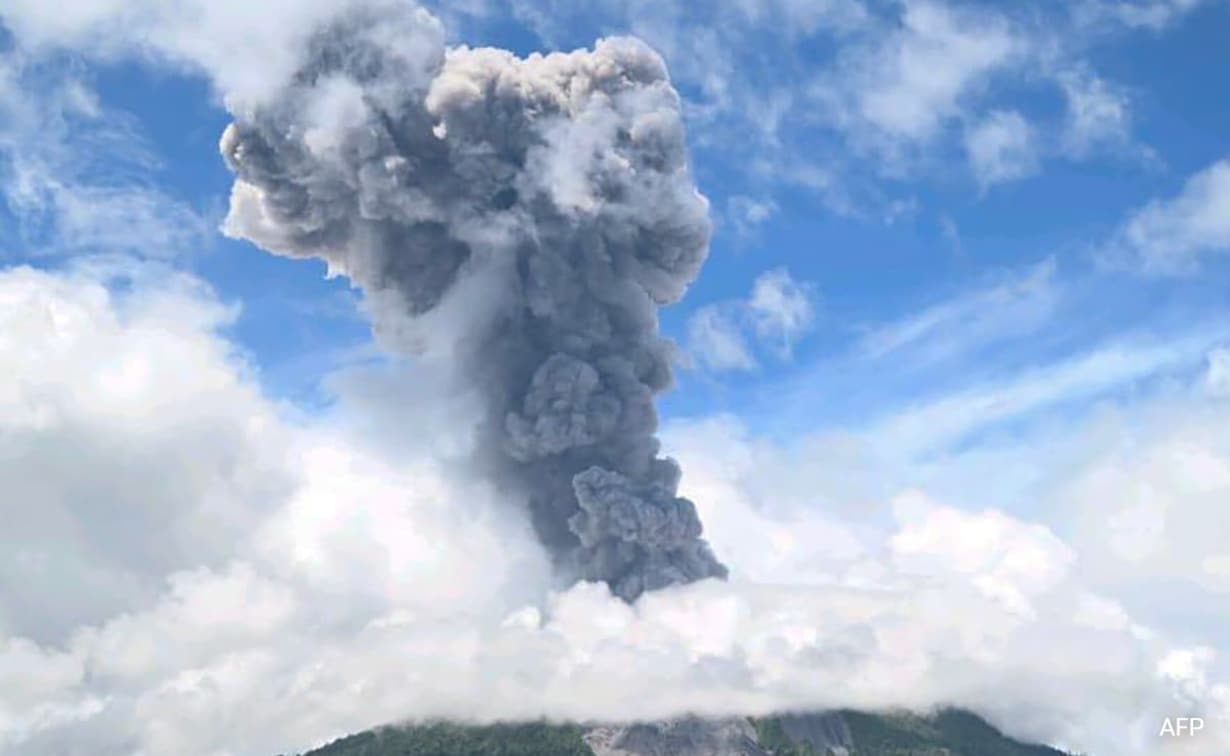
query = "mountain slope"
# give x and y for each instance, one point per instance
(847, 733)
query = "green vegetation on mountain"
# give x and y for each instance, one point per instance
(443, 739)
(949, 733)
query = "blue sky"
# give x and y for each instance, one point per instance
(880, 219)
(959, 358)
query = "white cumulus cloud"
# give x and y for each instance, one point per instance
(776, 314)
(284, 583)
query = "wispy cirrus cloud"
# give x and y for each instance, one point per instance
(939, 422)
(1006, 306)
(716, 340)
(1218, 376)
(1173, 235)
(1153, 15)
(76, 176)
(1015, 349)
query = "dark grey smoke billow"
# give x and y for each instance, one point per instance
(545, 204)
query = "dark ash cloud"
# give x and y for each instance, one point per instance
(539, 210)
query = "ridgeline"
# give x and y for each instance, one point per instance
(950, 732)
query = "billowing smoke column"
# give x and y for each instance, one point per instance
(559, 184)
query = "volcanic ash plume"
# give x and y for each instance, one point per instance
(544, 206)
